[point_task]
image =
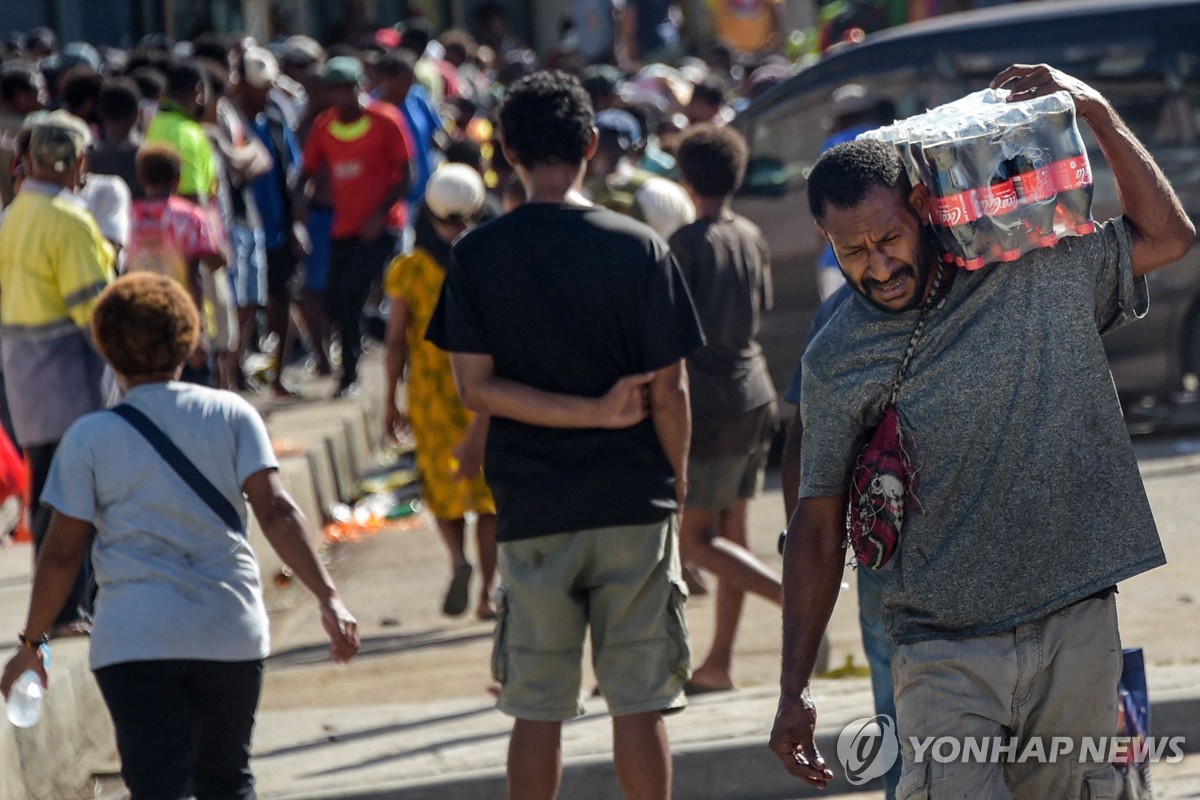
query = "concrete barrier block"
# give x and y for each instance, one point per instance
(336, 477)
(57, 757)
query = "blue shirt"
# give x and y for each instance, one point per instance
(423, 121)
(270, 189)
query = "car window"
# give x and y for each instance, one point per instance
(786, 139)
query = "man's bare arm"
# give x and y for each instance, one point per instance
(789, 466)
(672, 415)
(484, 392)
(813, 560)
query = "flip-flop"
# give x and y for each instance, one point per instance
(458, 595)
(694, 689)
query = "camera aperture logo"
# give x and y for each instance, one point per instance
(867, 748)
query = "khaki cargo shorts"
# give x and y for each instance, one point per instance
(718, 483)
(622, 584)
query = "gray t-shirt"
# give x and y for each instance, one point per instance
(1030, 496)
(174, 581)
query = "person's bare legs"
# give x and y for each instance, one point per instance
(729, 561)
(723, 551)
(312, 306)
(227, 370)
(485, 540)
(453, 533)
(642, 756)
(717, 669)
(535, 760)
(247, 324)
(279, 321)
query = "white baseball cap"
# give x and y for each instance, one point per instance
(259, 67)
(454, 192)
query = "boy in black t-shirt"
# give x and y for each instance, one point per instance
(568, 325)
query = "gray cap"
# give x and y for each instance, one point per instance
(342, 70)
(57, 140)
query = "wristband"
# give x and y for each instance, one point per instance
(32, 644)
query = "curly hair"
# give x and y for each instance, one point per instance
(547, 118)
(158, 166)
(145, 324)
(844, 175)
(712, 160)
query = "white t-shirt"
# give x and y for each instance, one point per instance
(174, 581)
(107, 197)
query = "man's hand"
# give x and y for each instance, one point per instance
(342, 629)
(1026, 81)
(1162, 231)
(792, 740)
(467, 461)
(298, 240)
(626, 403)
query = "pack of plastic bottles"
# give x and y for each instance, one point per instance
(1004, 178)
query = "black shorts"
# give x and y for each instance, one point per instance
(281, 266)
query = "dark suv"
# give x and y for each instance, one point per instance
(1143, 56)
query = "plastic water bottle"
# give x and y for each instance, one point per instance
(24, 707)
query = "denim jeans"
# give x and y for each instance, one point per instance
(878, 647)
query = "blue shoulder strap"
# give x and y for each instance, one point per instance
(182, 465)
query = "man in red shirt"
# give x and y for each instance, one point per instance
(366, 147)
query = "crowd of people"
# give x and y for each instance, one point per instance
(275, 182)
(287, 196)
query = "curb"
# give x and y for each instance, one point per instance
(740, 769)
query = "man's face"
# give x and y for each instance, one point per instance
(697, 111)
(884, 249)
(344, 97)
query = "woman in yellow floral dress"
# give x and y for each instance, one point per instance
(449, 438)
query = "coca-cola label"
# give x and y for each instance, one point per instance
(957, 209)
(998, 199)
(1072, 173)
(1037, 186)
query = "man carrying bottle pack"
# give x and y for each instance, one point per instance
(1001, 605)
